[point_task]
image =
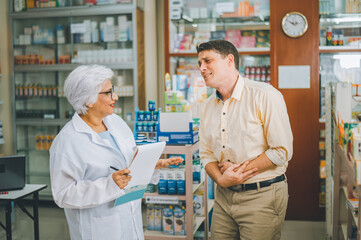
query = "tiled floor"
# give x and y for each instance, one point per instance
(300, 230)
(53, 226)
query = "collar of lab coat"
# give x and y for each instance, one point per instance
(81, 126)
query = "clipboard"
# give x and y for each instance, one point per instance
(141, 168)
(134, 155)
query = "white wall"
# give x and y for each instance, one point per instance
(5, 81)
(151, 68)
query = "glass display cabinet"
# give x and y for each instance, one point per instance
(189, 23)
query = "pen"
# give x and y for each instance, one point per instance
(116, 169)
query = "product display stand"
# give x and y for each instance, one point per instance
(191, 224)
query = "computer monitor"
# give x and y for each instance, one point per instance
(12, 172)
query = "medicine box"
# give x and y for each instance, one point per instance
(181, 183)
(172, 184)
(163, 182)
(176, 128)
(150, 216)
(158, 217)
(179, 221)
(198, 205)
(189, 137)
(168, 227)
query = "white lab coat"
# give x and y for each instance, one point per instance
(82, 183)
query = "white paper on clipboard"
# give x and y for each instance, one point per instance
(141, 169)
(143, 165)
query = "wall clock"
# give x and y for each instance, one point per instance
(294, 24)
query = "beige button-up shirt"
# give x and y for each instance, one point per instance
(252, 121)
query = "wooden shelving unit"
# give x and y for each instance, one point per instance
(191, 226)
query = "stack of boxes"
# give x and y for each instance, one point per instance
(166, 218)
(171, 218)
(145, 127)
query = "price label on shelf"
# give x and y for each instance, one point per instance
(161, 200)
(77, 28)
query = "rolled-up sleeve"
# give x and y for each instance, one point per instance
(277, 128)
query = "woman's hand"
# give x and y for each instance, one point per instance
(230, 177)
(122, 177)
(163, 163)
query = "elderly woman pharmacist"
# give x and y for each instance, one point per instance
(80, 158)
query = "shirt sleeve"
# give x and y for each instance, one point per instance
(70, 191)
(205, 149)
(277, 128)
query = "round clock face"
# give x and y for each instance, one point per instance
(294, 24)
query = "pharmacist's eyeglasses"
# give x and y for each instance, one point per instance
(109, 93)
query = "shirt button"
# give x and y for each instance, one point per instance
(223, 130)
(224, 146)
(224, 113)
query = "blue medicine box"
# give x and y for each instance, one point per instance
(189, 137)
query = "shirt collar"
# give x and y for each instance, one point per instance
(237, 91)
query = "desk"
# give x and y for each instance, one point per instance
(15, 196)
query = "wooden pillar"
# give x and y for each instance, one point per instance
(302, 104)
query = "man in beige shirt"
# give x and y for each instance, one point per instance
(245, 145)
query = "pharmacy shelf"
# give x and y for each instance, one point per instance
(48, 122)
(55, 74)
(340, 193)
(220, 21)
(338, 49)
(41, 122)
(355, 217)
(68, 67)
(54, 45)
(32, 150)
(191, 224)
(159, 235)
(86, 10)
(244, 51)
(180, 197)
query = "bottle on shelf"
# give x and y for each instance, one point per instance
(329, 36)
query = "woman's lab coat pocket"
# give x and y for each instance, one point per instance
(106, 228)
